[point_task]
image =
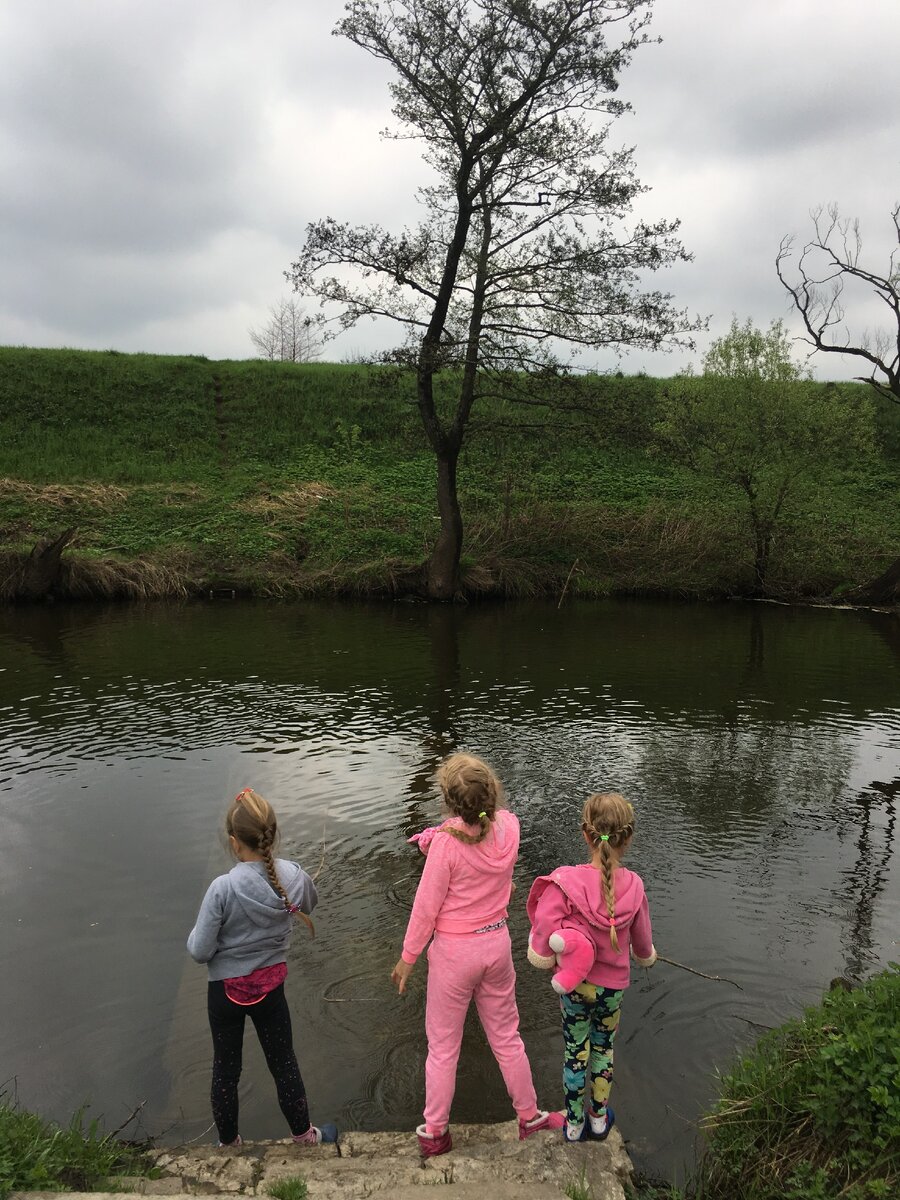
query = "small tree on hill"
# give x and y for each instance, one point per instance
(289, 335)
(755, 421)
(523, 250)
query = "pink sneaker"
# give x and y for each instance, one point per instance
(316, 1136)
(431, 1144)
(543, 1120)
(227, 1145)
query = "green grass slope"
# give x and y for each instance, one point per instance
(182, 475)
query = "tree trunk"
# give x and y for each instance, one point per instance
(761, 561)
(443, 565)
(40, 575)
(885, 589)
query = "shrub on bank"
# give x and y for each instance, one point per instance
(812, 1112)
(36, 1155)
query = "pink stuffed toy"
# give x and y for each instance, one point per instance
(573, 953)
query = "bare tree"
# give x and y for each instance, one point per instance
(524, 247)
(827, 264)
(289, 335)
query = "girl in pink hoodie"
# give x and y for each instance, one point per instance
(461, 907)
(584, 919)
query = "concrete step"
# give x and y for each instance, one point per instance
(486, 1161)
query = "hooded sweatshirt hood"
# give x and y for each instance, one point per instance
(582, 887)
(254, 896)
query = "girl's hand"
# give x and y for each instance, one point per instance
(400, 975)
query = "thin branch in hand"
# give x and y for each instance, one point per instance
(322, 860)
(702, 974)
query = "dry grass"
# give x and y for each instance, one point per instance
(85, 578)
(291, 505)
(102, 496)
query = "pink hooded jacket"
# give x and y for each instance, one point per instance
(463, 887)
(572, 898)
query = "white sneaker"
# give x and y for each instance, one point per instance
(573, 1132)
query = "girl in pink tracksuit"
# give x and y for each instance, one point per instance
(583, 920)
(461, 906)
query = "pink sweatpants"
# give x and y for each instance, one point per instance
(460, 967)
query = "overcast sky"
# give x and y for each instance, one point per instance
(161, 158)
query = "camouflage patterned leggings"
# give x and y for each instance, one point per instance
(590, 1018)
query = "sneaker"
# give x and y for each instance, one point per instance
(600, 1126)
(316, 1136)
(225, 1145)
(431, 1144)
(573, 1132)
(543, 1120)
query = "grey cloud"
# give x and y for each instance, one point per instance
(161, 160)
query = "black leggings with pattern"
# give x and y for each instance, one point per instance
(272, 1020)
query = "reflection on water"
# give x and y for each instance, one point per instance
(761, 746)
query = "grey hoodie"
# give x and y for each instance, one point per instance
(243, 924)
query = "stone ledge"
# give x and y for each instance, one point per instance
(486, 1160)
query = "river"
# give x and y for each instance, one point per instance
(759, 744)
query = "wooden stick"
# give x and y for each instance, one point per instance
(322, 861)
(562, 594)
(702, 974)
(128, 1120)
(352, 999)
(755, 1024)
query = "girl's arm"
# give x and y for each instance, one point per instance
(547, 916)
(203, 940)
(302, 891)
(430, 895)
(642, 937)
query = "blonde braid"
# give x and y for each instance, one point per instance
(606, 878)
(608, 820)
(251, 819)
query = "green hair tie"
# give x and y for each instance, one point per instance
(604, 837)
(481, 816)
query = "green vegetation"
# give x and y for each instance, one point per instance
(756, 423)
(813, 1111)
(36, 1155)
(290, 1188)
(182, 475)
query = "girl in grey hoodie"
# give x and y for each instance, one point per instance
(242, 934)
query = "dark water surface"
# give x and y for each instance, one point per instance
(760, 745)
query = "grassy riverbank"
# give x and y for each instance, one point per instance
(812, 1111)
(36, 1155)
(182, 475)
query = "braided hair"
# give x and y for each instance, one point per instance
(608, 821)
(471, 791)
(251, 820)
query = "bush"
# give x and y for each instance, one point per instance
(813, 1111)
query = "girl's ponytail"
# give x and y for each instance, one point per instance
(472, 792)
